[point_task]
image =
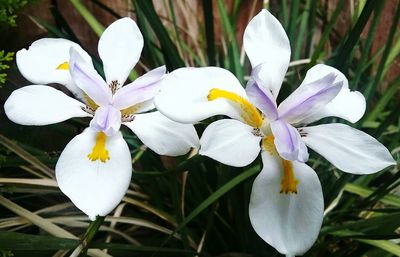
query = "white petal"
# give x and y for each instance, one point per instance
(230, 142)
(349, 149)
(162, 135)
(120, 47)
(39, 62)
(183, 94)
(41, 105)
(348, 105)
(87, 79)
(94, 187)
(268, 48)
(288, 222)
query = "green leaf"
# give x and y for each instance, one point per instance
(19, 241)
(233, 48)
(365, 192)
(168, 48)
(216, 195)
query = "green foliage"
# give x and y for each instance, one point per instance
(8, 9)
(6, 253)
(4, 58)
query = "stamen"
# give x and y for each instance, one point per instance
(114, 86)
(257, 132)
(249, 114)
(63, 66)
(289, 182)
(127, 117)
(88, 110)
(99, 151)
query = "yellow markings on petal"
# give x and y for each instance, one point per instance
(289, 182)
(249, 113)
(99, 151)
(63, 66)
(89, 102)
(268, 144)
(131, 110)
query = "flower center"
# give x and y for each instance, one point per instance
(249, 113)
(99, 151)
(289, 182)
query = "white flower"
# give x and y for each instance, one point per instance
(286, 207)
(95, 168)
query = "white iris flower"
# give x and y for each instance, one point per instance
(286, 207)
(95, 168)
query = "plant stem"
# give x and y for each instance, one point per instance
(87, 238)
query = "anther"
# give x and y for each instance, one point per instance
(114, 86)
(257, 132)
(88, 109)
(127, 117)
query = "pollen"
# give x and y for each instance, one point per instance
(63, 66)
(289, 182)
(99, 151)
(250, 114)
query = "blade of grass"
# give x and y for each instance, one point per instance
(366, 49)
(325, 35)
(383, 101)
(378, 77)
(365, 192)
(26, 156)
(233, 48)
(215, 196)
(88, 16)
(168, 48)
(44, 224)
(209, 27)
(354, 35)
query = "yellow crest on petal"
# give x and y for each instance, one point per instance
(249, 113)
(63, 66)
(289, 182)
(99, 151)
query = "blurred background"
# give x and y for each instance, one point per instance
(198, 207)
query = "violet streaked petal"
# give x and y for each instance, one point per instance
(288, 142)
(140, 90)
(106, 119)
(348, 105)
(262, 99)
(86, 78)
(309, 98)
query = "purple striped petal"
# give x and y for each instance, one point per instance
(262, 99)
(87, 79)
(142, 89)
(288, 142)
(309, 98)
(106, 119)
